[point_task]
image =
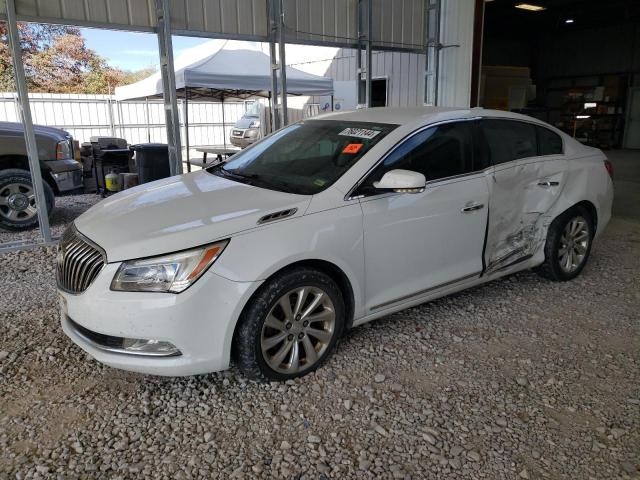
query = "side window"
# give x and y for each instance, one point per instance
(509, 140)
(549, 143)
(438, 152)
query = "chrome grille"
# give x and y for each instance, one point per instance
(78, 262)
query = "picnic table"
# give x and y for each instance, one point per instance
(220, 153)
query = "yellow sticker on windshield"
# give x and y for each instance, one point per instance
(319, 182)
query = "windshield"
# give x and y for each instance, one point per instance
(304, 158)
(253, 110)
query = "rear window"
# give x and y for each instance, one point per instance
(509, 140)
(304, 158)
(549, 143)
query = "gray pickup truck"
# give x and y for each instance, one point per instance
(60, 172)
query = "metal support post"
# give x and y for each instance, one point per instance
(283, 65)
(369, 53)
(432, 53)
(167, 72)
(25, 116)
(273, 32)
(359, 95)
(186, 125)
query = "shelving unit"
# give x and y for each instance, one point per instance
(589, 107)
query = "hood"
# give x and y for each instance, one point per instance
(39, 130)
(179, 213)
(245, 121)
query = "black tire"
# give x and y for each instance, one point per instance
(247, 347)
(552, 268)
(12, 216)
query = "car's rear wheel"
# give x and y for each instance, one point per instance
(568, 245)
(290, 327)
(18, 200)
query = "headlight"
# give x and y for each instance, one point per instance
(254, 124)
(169, 273)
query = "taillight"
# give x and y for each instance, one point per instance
(609, 166)
(63, 150)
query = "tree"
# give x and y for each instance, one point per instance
(57, 60)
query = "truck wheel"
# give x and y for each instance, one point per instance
(18, 200)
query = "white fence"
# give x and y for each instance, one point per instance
(84, 116)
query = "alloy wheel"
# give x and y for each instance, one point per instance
(574, 244)
(17, 202)
(298, 330)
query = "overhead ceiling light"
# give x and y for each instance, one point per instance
(569, 20)
(530, 7)
(590, 105)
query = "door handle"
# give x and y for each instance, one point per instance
(472, 208)
(548, 183)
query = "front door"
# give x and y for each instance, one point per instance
(417, 242)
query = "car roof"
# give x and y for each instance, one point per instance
(424, 115)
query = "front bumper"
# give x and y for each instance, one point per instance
(66, 173)
(244, 137)
(199, 321)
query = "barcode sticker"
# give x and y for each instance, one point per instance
(359, 133)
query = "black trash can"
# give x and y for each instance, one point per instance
(152, 160)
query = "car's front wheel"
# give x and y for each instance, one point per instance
(568, 245)
(290, 327)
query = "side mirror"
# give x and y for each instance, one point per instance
(405, 181)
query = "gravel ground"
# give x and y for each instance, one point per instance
(521, 378)
(66, 210)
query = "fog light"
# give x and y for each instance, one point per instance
(149, 347)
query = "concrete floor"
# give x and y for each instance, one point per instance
(626, 181)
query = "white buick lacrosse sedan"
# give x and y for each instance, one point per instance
(324, 225)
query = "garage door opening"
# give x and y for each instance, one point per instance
(571, 63)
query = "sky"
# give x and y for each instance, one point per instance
(131, 50)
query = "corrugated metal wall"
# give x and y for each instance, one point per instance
(404, 72)
(396, 23)
(246, 19)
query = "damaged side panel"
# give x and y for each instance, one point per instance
(521, 193)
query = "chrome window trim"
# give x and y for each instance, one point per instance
(349, 196)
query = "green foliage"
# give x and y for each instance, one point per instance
(57, 60)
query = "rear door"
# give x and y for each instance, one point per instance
(527, 176)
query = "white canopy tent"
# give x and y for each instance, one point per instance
(222, 70)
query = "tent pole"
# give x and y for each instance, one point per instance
(25, 113)
(148, 118)
(167, 71)
(224, 134)
(186, 124)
